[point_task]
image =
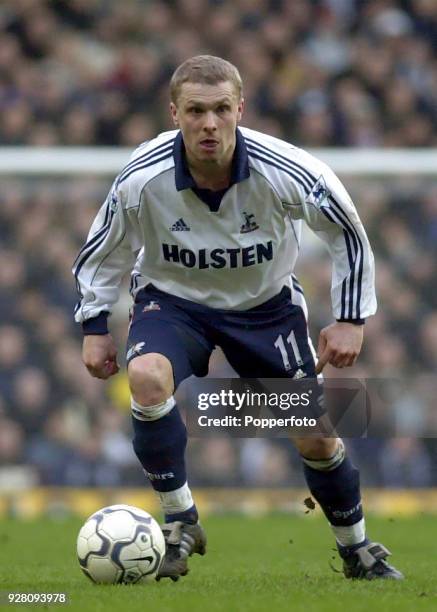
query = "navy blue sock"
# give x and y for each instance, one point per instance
(346, 551)
(337, 491)
(160, 446)
(189, 516)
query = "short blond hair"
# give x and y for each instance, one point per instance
(206, 69)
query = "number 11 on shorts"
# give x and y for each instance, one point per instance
(291, 340)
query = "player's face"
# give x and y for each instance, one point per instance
(207, 116)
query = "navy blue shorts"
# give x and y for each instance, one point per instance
(267, 341)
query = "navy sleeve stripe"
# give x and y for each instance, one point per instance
(119, 180)
(94, 246)
(114, 247)
(352, 277)
(304, 174)
(142, 166)
(297, 288)
(286, 162)
(98, 239)
(351, 234)
(343, 297)
(96, 236)
(104, 226)
(280, 167)
(333, 217)
(356, 257)
(146, 156)
(296, 284)
(361, 256)
(352, 267)
(292, 163)
(353, 257)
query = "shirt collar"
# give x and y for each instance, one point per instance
(240, 163)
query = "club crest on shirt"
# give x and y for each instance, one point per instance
(249, 225)
(319, 194)
(152, 305)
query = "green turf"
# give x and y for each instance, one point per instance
(256, 564)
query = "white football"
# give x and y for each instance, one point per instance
(120, 545)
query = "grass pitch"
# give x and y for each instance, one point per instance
(274, 563)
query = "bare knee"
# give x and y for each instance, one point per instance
(150, 379)
(317, 448)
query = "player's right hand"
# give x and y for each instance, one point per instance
(99, 355)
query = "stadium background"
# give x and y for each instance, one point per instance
(321, 73)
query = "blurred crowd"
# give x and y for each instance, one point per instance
(316, 72)
(74, 429)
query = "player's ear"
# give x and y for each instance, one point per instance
(240, 109)
(174, 114)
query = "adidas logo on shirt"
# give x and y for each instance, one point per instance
(180, 226)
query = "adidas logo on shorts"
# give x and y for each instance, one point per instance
(180, 226)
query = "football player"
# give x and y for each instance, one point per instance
(208, 217)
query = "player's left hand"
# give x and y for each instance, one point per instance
(339, 344)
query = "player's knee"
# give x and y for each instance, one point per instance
(150, 379)
(318, 448)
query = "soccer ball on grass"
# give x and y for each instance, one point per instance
(120, 545)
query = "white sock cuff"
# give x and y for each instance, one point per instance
(175, 501)
(350, 534)
(152, 413)
(326, 465)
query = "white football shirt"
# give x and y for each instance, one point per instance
(229, 250)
